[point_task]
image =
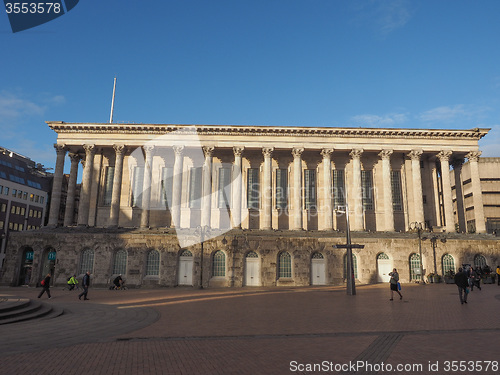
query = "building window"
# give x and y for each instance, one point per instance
(3, 207)
(367, 188)
(19, 194)
(195, 184)
(383, 256)
(37, 197)
(338, 188)
(397, 192)
(281, 189)
(138, 180)
(284, 265)
(108, 186)
(14, 192)
(13, 209)
(41, 200)
(120, 263)
(354, 266)
(479, 261)
(219, 264)
(1, 189)
(2, 224)
(224, 187)
(32, 197)
(448, 264)
(86, 261)
(167, 184)
(153, 263)
(253, 188)
(23, 211)
(310, 189)
(415, 267)
(25, 196)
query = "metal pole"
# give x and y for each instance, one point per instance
(201, 258)
(112, 103)
(434, 244)
(420, 253)
(351, 283)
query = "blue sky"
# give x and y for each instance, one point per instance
(388, 63)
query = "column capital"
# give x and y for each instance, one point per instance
(473, 155)
(119, 149)
(297, 152)
(356, 153)
(327, 153)
(415, 154)
(238, 150)
(267, 151)
(178, 150)
(89, 149)
(444, 155)
(208, 151)
(60, 148)
(148, 149)
(385, 154)
(75, 158)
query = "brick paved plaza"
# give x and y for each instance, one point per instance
(257, 331)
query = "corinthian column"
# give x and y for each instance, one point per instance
(70, 198)
(146, 186)
(418, 203)
(327, 187)
(175, 207)
(477, 194)
(237, 178)
(457, 167)
(207, 187)
(55, 203)
(267, 200)
(83, 208)
(117, 186)
(444, 158)
(358, 224)
(297, 189)
(385, 155)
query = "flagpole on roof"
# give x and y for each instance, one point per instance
(112, 103)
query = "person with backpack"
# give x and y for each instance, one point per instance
(46, 286)
(72, 281)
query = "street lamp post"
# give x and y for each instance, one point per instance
(202, 231)
(434, 240)
(419, 228)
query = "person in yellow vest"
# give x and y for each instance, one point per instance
(498, 275)
(72, 282)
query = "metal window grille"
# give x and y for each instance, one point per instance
(167, 182)
(153, 263)
(219, 264)
(382, 256)
(479, 261)
(281, 189)
(252, 254)
(253, 188)
(354, 266)
(448, 264)
(108, 186)
(120, 263)
(195, 183)
(87, 261)
(186, 253)
(338, 188)
(367, 188)
(224, 188)
(138, 180)
(397, 193)
(415, 267)
(317, 256)
(285, 265)
(310, 189)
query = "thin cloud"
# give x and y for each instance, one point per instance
(12, 107)
(453, 113)
(490, 144)
(386, 16)
(386, 121)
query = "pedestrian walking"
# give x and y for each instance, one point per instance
(474, 279)
(394, 283)
(498, 275)
(462, 283)
(72, 281)
(85, 286)
(46, 286)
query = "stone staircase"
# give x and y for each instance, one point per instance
(14, 309)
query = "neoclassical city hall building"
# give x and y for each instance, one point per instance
(223, 206)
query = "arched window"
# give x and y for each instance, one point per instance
(317, 256)
(252, 254)
(284, 265)
(354, 266)
(120, 263)
(415, 267)
(219, 264)
(383, 256)
(153, 263)
(448, 264)
(186, 253)
(479, 261)
(86, 261)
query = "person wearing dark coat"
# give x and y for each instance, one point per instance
(46, 286)
(462, 283)
(85, 285)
